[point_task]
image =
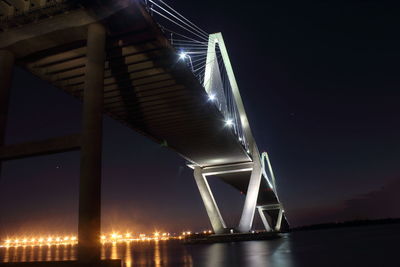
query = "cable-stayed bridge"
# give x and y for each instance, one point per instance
(147, 66)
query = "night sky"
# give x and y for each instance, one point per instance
(320, 83)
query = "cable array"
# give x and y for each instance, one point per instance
(190, 40)
(192, 43)
(225, 99)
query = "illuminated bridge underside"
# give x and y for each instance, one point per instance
(240, 181)
(146, 87)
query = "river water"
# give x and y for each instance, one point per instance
(376, 246)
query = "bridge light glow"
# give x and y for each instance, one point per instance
(182, 55)
(211, 97)
(229, 122)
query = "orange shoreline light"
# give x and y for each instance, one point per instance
(73, 240)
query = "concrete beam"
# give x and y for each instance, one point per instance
(113, 52)
(148, 81)
(108, 73)
(124, 93)
(79, 52)
(231, 168)
(216, 219)
(91, 153)
(39, 3)
(78, 61)
(112, 80)
(270, 207)
(38, 148)
(6, 9)
(21, 5)
(75, 18)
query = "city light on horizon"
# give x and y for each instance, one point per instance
(114, 237)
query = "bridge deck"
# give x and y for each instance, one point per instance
(146, 86)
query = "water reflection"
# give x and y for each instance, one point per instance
(40, 254)
(66, 255)
(166, 253)
(114, 251)
(23, 256)
(187, 260)
(31, 254)
(252, 254)
(6, 255)
(57, 253)
(157, 257)
(48, 253)
(128, 255)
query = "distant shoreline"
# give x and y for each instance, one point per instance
(355, 223)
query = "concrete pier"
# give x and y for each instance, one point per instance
(91, 150)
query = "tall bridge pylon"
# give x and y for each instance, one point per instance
(214, 87)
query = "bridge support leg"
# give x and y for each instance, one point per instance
(279, 220)
(91, 151)
(246, 221)
(6, 70)
(264, 220)
(216, 219)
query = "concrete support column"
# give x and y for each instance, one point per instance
(91, 150)
(246, 221)
(216, 219)
(279, 221)
(6, 69)
(264, 220)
